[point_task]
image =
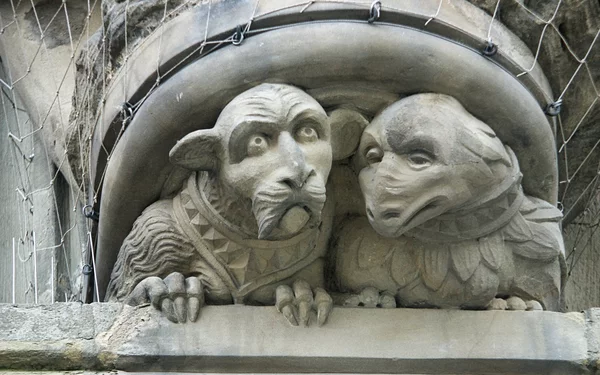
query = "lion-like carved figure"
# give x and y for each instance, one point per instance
(453, 226)
(250, 226)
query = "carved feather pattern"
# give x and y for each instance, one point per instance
(542, 247)
(482, 286)
(373, 254)
(465, 259)
(403, 267)
(538, 210)
(517, 230)
(542, 286)
(491, 249)
(434, 265)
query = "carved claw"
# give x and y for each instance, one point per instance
(497, 304)
(371, 297)
(515, 304)
(180, 299)
(297, 302)
(534, 306)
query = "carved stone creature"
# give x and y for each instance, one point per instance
(250, 226)
(458, 232)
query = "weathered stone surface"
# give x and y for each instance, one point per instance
(447, 341)
(57, 29)
(582, 244)
(453, 226)
(59, 336)
(578, 23)
(576, 20)
(60, 321)
(228, 235)
(30, 212)
(173, 108)
(258, 339)
(592, 317)
(44, 68)
(42, 87)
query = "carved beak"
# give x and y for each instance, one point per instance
(390, 220)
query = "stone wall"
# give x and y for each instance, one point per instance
(582, 243)
(36, 207)
(24, 169)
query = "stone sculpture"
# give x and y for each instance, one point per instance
(250, 225)
(453, 228)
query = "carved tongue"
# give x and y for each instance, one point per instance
(293, 220)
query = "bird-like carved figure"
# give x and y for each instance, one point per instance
(452, 226)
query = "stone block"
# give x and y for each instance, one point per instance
(241, 339)
(56, 337)
(60, 321)
(593, 336)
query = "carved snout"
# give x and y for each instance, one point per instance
(298, 180)
(386, 222)
(393, 217)
(294, 171)
(379, 215)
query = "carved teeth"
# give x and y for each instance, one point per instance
(294, 220)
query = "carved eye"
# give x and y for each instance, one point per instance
(419, 160)
(257, 145)
(306, 134)
(374, 155)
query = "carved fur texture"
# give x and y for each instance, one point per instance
(249, 219)
(156, 246)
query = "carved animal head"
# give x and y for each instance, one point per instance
(424, 156)
(270, 144)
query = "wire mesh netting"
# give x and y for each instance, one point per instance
(77, 47)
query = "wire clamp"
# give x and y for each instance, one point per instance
(490, 49)
(238, 36)
(553, 109)
(87, 269)
(127, 110)
(88, 211)
(374, 11)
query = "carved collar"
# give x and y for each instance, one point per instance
(242, 262)
(479, 218)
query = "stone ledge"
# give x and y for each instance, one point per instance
(593, 338)
(257, 339)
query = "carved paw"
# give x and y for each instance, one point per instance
(371, 297)
(178, 298)
(296, 303)
(514, 303)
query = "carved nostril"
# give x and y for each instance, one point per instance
(298, 181)
(289, 183)
(391, 215)
(310, 174)
(370, 214)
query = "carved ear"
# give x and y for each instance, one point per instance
(347, 126)
(197, 151)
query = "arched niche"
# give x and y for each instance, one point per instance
(328, 49)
